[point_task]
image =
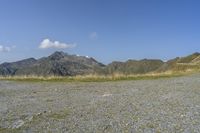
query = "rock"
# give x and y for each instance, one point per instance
(29, 118)
(38, 114)
(106, 95)
(18, 124)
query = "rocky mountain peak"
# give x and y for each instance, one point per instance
(57, 55)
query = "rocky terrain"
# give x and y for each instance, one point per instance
(152, 106)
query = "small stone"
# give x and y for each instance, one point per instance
(18, 124)
(106, 95)
(182, 115)
(39, 114)
(30, 118)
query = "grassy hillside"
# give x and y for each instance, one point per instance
(188, 63)
(133, 66)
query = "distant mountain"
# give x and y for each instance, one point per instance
(12, 68)
(134, 66)
(59, 64)
(63, 64)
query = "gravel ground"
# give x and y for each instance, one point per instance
(151, 106)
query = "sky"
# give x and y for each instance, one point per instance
(107, 30)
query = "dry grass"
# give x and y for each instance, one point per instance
(99, 78)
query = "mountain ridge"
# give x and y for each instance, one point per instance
(64, 64)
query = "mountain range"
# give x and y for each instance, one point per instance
(63, 64)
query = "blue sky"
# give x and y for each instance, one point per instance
(107, 30)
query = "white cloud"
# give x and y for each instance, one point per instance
(5, 48)
(47, 43)
(93, 35)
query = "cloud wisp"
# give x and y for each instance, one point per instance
(47, 43)
(6, 48)
(93, 35)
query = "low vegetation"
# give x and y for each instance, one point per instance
(99, 78)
